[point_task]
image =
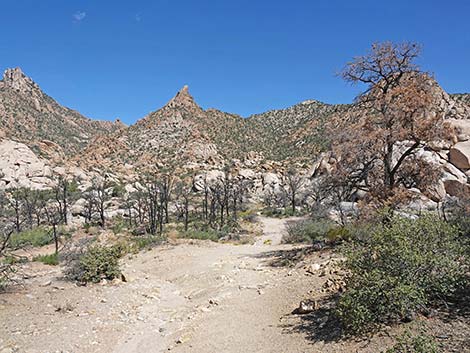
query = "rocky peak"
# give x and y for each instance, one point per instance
(183, 100)
(17, 80)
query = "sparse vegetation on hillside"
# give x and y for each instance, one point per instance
(29, 115)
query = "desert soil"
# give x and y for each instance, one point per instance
(194, 296)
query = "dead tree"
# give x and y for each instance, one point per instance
(16, 203)
(62, 193)
(54, 218)
(89, 206)
(294, 182)
(101, 197)
(183, 196)
(166, 187)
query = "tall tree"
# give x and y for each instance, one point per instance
(393, 118)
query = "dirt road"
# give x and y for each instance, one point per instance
(193, 297)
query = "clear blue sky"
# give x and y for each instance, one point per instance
(111, 58)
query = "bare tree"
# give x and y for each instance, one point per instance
(102, 195)
(165, 185)
(89, 206)
(54, 218)
(16, 203)
(183, 193)
(6, 226)
(205, 202)
(63, 193)
(294, 182)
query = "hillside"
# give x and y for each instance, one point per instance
(29, 115)
(182, 134)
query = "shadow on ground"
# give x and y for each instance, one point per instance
(285, 258)
(458, 308)
(320, 325)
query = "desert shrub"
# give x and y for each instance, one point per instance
(118, 225)
(283, 212)
(36, 237)
(251, 218)
(307, 231)
(51, 259)
(458, 213)
(66, 232)
(397, 269)
(97, 263)
(289, 212)
(201, 234)
(414, 343)
(248, 216)
(339, 233)
(86, 227)
(273, 212)
(14, 259)
(118, 190)
(146, 242)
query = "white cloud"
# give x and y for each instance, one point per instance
(79, 16)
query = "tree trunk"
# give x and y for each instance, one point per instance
(186, 214)
(64, 200)
(56, 238)
(293, 203)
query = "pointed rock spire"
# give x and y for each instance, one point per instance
(183, 100)
(17, 80)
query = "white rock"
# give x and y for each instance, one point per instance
(20, 167)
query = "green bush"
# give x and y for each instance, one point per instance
(273, 212)
(117, 189)
(14, 259)
(209, 234)
(248, 216)
(119, 225)
(36, 237)
(283, 212)
(396, 270)
(307, 231)
(99, 262)
(339, 233)
(51, 259)
(146, 242)
(86, 227)
(458, 212)
(418, 343)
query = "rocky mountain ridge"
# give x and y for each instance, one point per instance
(188, 140)
(183, 135)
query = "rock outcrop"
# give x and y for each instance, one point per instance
(460, 155)
(20, 167)
(18, 81)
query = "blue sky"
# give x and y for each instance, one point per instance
(111, 58)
